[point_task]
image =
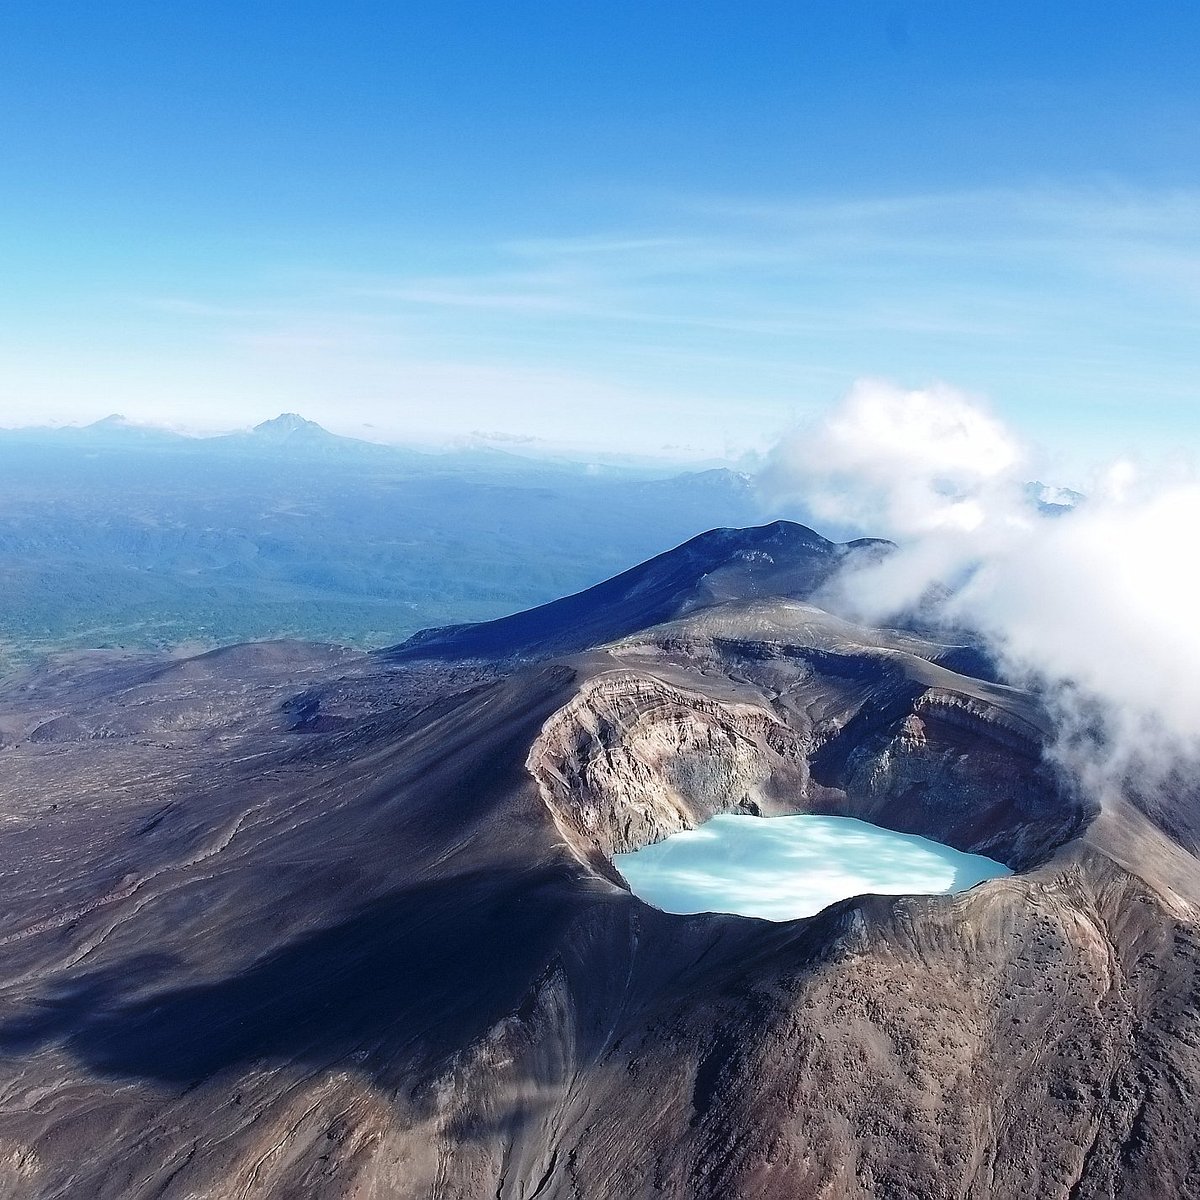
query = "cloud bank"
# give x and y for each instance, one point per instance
(1097, 607)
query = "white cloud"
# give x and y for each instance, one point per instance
(911, 461)
(1097, 606)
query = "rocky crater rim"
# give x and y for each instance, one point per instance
(631, 759)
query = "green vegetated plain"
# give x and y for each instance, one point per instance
(110, 539)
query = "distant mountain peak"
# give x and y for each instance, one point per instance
(118, 430)
(1052, 500)
(290, 425)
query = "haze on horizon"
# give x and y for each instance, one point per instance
(679, 229)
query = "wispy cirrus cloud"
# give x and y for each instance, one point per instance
(935, 250)
(727, 316)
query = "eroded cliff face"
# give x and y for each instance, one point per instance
(631, 760)
(959, 770)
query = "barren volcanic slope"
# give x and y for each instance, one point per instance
(285, 920)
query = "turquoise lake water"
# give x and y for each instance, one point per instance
(781, 868)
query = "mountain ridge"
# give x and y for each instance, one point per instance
(782, 558)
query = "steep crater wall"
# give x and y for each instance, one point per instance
(632, 759)
(951, 767)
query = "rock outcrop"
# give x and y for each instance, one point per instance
(631, 760)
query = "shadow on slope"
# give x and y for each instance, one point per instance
(398, 986)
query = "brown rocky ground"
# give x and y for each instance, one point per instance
(285, 920)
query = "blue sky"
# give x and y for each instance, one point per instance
(674, 228)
